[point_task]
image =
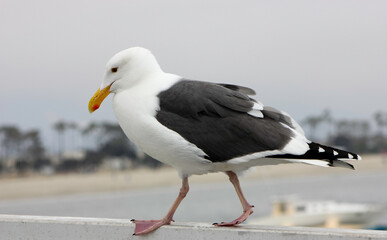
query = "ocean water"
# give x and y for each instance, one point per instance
(210, 202)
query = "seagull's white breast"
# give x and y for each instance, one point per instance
(135, 109)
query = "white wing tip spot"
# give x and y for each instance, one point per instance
(335, 153)
(350, 156)
(320, 149)
(256, 113)
(258, 106)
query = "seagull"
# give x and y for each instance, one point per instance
(201, 127)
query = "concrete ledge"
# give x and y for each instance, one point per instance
(42, 228)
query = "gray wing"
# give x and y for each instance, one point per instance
(194, 99)
(215, 117)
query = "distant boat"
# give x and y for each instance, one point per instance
(289, 211)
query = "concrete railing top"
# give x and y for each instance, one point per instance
(43, 227)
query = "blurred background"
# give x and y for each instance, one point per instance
(323, 62)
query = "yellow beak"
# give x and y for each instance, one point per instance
(98, 98)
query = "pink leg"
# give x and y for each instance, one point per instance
(147, 226)
(247, 208)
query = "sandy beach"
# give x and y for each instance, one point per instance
(104, 181)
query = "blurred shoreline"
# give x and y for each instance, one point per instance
(108, 181)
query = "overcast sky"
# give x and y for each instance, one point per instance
(300, 56)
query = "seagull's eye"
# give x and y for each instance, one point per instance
(114, 69)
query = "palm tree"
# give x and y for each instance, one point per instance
(313, 122)
(11, 140)
(90, 130)
(73, 126)
(33, 145)
(60, 127)
(381, 121)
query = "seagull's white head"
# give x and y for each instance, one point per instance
(124, 70)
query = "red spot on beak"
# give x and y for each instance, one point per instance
(95, 107)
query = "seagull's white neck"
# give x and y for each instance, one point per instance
(142, 98)
(136, 107)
